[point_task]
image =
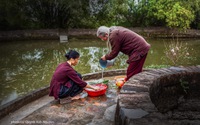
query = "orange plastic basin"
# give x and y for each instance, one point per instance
(119, 81)
(99, 92)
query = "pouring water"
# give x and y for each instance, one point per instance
(106, 63)
(102, 72)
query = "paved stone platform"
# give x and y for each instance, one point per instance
(168, 96)
(84, 111)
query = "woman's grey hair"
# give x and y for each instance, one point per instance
(102, 31)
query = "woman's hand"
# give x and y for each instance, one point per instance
(92, 87)
(95, 87)
(103, 57)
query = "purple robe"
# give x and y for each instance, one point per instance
(63, 73)
(128, 42)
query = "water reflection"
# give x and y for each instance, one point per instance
(92, 55)
(29, 65)
(32, 56)
(13, 95)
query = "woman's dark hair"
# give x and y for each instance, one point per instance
(72, 54)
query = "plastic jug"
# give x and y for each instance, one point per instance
(106, 63)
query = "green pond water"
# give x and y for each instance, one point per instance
(29, 65)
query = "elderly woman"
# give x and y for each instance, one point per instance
(66, 82)
(120, 39)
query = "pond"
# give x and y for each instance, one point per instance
(29, 65)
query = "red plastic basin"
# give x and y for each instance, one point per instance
(99, 92)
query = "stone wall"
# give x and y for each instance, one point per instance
(54, 34)
(165, 96)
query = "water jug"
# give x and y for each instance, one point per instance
(106, 63)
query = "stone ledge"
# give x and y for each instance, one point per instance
(21, 101)
(160, 96)
(53, 34)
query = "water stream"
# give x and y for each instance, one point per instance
(102, 72)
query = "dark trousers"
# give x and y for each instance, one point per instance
(74, 90)
(135, 67)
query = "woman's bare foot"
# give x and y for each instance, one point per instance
(65, 100)
(76, 97)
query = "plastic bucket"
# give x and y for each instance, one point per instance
(106, 63)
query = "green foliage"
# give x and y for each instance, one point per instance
(12, 15)
(103, 81)
(129, 13)
(48, 13)
(156, 66)
(32, 14)
(179, 17)
(172, 12)
(100, 13)
(195, 5)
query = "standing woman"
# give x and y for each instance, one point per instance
(120, 39)
(66, 82)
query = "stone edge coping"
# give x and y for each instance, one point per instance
(14, 105)
(139, 85)
(156, 32)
